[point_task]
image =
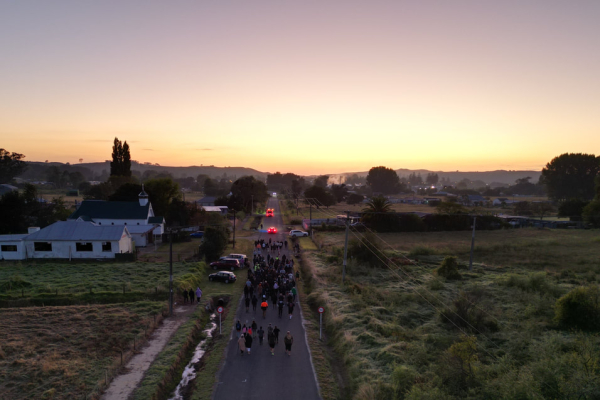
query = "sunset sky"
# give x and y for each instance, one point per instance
(302, 86)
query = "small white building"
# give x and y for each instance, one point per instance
(67, 240)
(12, 247)
(78, 239)
(218, 209)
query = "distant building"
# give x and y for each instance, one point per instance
(4, 188)
(206, 201)
(216, 209)
(137, 216)
(67, 240)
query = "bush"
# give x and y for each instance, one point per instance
(403, 378)
(449, 268)
(580, 309)
(214, 243)
(367, 251)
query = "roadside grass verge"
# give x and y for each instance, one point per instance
(165, 372)
(63, 352)
(207, 375)
(397, 331)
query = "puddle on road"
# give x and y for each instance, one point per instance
(189, 373)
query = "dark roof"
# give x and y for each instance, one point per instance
(156, 220)
(78, 230)
(207, 199)
(99, 209)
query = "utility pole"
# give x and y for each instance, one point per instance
(296, 205)
(171, 273)
(252, 197)
(472, 245)
(310, 218)
(346, 246)
(233, 229)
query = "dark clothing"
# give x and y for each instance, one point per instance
(261, 335)
(276, 334)
(254, 302)
(248, 341)
(191, 294)
(272, 341)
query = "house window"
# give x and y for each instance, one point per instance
(138, 223)
(42, 246)
(125, 223)
(106, 246)
(9, 247)
(112, 223)
(84, 247)
(99, 223)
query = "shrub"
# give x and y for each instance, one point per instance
(467, 312)
(368, 250)
(449, 268)
(422, 251)
(403, 378)
(580, 309)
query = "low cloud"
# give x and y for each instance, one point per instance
(203, 149)
(148, 149)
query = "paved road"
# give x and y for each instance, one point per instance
(261, 375)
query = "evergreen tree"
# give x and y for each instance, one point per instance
(121, 159)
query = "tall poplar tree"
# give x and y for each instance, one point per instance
(121, 159)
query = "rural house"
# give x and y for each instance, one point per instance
(67, 240)
(139, 217)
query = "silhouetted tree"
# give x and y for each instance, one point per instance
(383, 180)
(11, 165)
(571, 176)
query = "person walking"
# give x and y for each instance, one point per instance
(198, 294)
(242, 344)
(291, 309)
(238, 328)
(247, 303)
(276, 333)
(254, 326)
(261, 335)
(254, 303)
(191, 295)
(248, 342)
(288, 340)
(272, 343)
(185, 296)
(264, 305)
(294, 293)
(280, 308)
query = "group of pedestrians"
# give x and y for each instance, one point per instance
(270, 283)
(189, 295)
(246, 336)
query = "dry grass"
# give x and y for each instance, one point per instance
(64, 350)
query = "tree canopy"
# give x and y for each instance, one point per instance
(384, 180)
(247, 191)
(321, 195)
(11, 165)
(121, 159)
(571, 176)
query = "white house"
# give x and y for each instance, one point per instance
(68, 240)
(218, 209)
(12, 247)
(139, 217)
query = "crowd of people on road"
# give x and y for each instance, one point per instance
(271, 283)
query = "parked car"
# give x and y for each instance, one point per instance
(228, 263)
(298, 233)
(198, 234)
(240, 257)
(222, 276)
(272, 230)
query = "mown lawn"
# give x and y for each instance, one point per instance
(63, 352)
(405, 333)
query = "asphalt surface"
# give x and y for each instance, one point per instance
(261, 375)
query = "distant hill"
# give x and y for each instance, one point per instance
(499, 176)
(36, 170)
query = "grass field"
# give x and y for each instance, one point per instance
(34, 278)
(405, 333)
(62, 352)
